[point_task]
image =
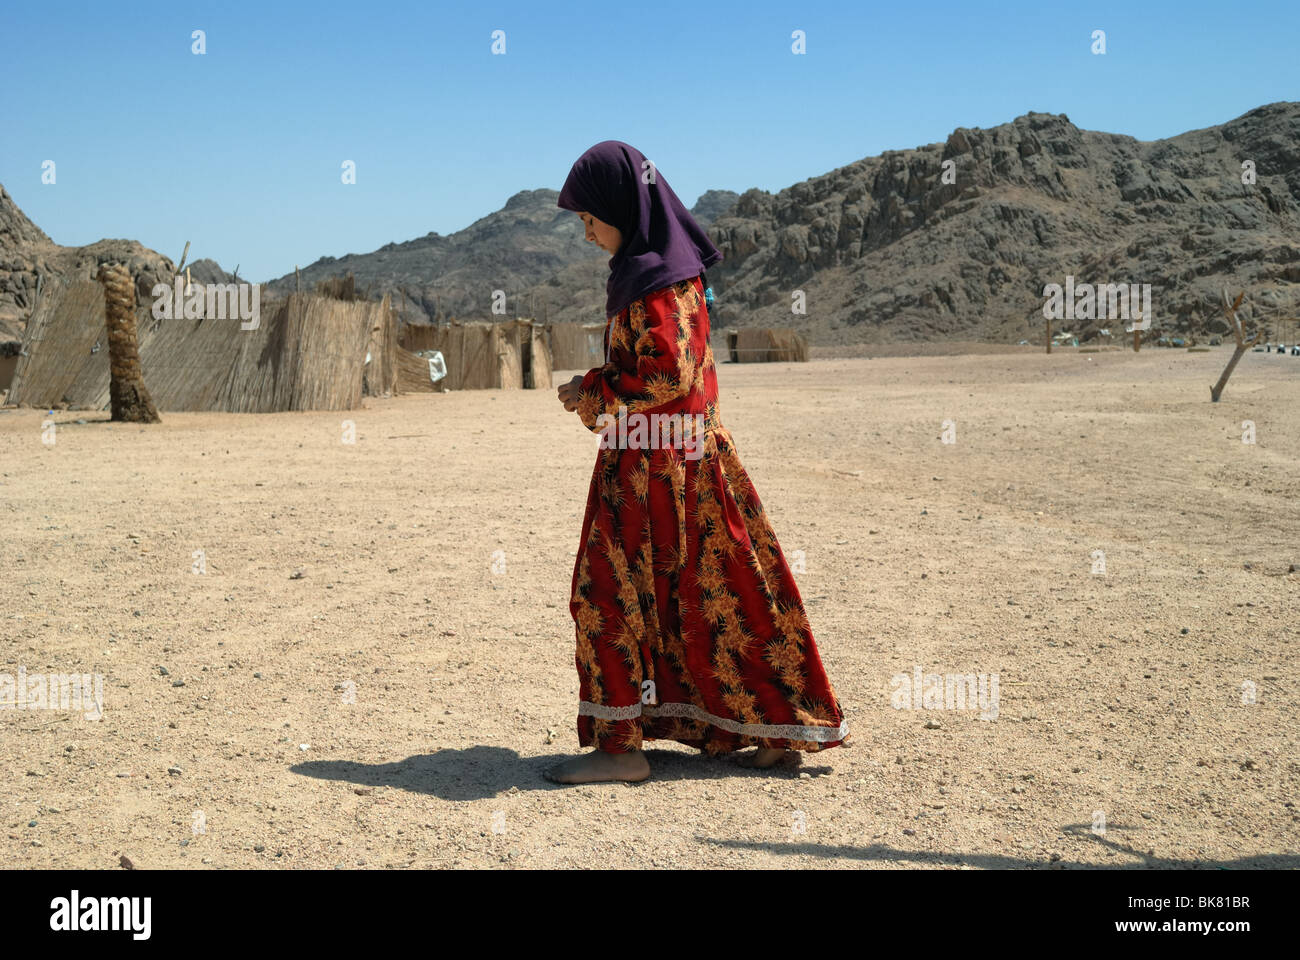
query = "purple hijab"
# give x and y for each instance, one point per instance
(662, 243)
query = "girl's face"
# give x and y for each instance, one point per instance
(601, 233)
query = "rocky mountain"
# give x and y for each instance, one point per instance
(531, 250)
(886, 250)
(209, 271)
(24, 250)
(438, 276)
(950, 241)
(713, 204)
(29, 259)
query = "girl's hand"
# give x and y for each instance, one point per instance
(568, 393)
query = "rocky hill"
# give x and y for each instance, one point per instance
(885, 250)
(530, 249)
(950, 241)
(438, 276)
(29, 259)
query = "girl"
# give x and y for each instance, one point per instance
(690, 626)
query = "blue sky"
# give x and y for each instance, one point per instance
(240, 150)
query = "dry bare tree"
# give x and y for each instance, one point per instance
(1239, 332)
(126, 390)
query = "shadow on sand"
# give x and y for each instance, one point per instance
(480, 772)
(1135, 859)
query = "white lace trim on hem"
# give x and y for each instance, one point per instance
(770, 731)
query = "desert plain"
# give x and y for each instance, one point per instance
(342, 640)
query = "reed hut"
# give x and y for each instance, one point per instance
(380, 379)
(532, 346)
(9, 350)
(766, 345)
(577, 346)
(306, 353)
(485, 356)
(415, 375)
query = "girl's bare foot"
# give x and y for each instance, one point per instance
(599, 766)
(765, 757)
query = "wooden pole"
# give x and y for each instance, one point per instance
(184, 253)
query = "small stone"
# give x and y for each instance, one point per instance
(178, 683)
(31, 823)
(163, 671)
(174, 771)
(126, 862)
(363, 791)
(258, 848)
(1184, 631)
(909, 832)
(297, 574)
(932, 725)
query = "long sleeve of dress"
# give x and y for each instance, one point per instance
(654, 359)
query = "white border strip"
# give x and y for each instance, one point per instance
(770, 731)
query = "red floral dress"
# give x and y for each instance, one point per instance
(689, 623)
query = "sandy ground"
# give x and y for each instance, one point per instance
(395, 705)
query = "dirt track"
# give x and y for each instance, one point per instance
(970, 557)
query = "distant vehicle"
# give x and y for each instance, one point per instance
(1178, 342)
(1215, 341)
(1022, 343)
(1281, 348)
(1295, 350)
(1162, 341)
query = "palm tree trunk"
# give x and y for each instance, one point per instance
(129, 397)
